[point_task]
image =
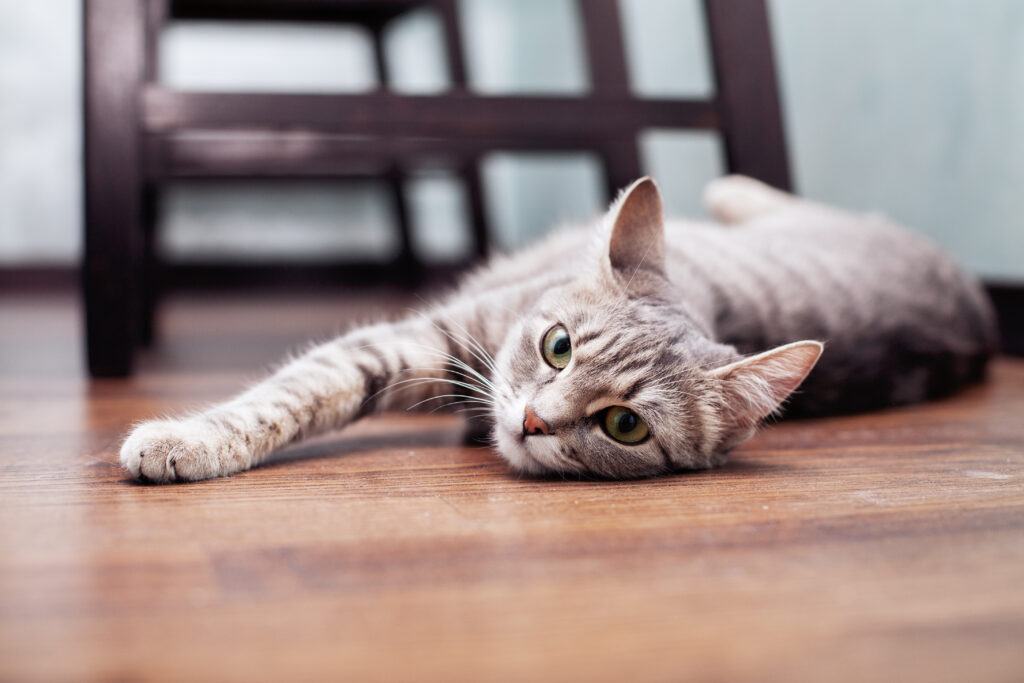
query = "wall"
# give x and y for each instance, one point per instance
(40, 137)
(912, 107)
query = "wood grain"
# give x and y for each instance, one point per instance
(878, 547)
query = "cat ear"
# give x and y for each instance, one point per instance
(638, 230)
(755, 387)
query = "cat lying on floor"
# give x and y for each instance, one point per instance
(633, 347)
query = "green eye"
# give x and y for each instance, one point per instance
(625, 426)
(556, 347)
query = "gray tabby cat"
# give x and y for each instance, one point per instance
(632, 349)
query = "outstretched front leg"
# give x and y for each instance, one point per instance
(387, 366)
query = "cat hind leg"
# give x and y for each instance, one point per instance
(737, 198)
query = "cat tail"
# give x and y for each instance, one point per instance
(737, 198)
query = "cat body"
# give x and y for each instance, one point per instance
(633, 347)
(903, 323)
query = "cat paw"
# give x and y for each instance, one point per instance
(164, 451)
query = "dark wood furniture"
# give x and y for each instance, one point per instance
(139, 134)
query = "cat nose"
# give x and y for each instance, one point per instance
(532, 424)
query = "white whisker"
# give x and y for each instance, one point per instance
(462, 398)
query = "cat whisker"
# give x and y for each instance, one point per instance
(488, 387)
(474, 412)
(470, 344)
(430, 380)
(486, 357)
(638, 266)
(474, 380)
(457, 361)
(416, 381)
(462, 398)
(440, 354)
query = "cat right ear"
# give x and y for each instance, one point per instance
(753, 388)
(637, 240)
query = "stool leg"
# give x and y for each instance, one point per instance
(409, 270)
(149, 280)
(449, 14)
(114, 56)
(621, 164)
(747, 92)
(470, 170)
(407, 265)
(473, 182)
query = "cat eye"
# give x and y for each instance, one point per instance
(623, 425)
(556, 347)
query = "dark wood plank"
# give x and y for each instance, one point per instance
(113, 71)
(887, 546)
(156, 12)
(318, 275)
(469, 168)
(606, 57)
(622, 165)
(453, 115)
(20, 279)
(149, 276)
(269, 154)
(1008, 300)
(606, 51)
(476, 206)
(407, 264)
(747, 90)
(354, 11)
(458, 73)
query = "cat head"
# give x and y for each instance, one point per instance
(612, 375)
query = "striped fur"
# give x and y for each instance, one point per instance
(701, 329)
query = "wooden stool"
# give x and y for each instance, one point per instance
(137, 133)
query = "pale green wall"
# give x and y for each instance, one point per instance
(915, 107)
(912, 107)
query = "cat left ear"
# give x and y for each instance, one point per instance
(755, 387)
(638, 230)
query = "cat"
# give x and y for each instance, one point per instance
(633, 348)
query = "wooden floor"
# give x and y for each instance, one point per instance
(878, 547)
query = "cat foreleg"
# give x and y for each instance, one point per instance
(383, 366)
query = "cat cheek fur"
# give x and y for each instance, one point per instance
(508, 443)
(534, 454)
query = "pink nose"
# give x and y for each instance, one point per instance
(532, 424)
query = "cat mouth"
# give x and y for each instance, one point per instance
(535, 465)
(512, 446)
(540, 455)
(528, 461)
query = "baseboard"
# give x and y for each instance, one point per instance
(37, 278)
(1007, 297)
(1008, 300)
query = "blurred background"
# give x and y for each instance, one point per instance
(911, 107)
